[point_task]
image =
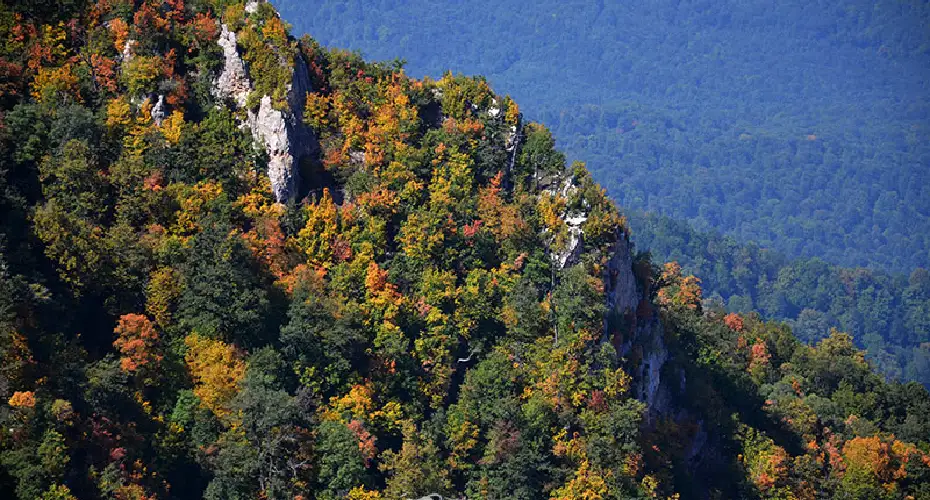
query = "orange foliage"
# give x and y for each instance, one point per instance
(677, 290)
(734, 322)
(104, 72)
(138, 342)
(390, 121)
(204, 27)
(379, 200)
(759, 355)
(120, 31)
(23, 399)
(376, 279)
(503, 220)
(269, 245)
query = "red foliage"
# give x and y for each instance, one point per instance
(104, 71)
(204, 28)
(154, 182)
(10, 74)
(117, 454)
(366, 442)
(342, 249)
(596, 401)
(471, 229)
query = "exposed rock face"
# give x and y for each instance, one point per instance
(126, 54)
(572, 252)
(158, 111)
(273, 129)
(639, 338)
(643, 338)
(233, 82)
(281, 132)
(623, 294)
(569, 256)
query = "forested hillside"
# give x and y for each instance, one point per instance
(887, 314)
(802, 126)
(236, 265)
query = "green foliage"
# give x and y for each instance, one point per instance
(222, 297)
(342, 466)
(884, 313)
(782, 127)
(400, 328)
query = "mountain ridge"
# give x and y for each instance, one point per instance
(700, 111)
(443, 307)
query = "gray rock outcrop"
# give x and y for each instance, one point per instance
(281, 133)
(233, 82)
(158, 111)
(637, 337)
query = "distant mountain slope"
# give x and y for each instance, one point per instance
(887, 314)
(804, 126)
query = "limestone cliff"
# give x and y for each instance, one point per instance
(282, 133)
(635, 331)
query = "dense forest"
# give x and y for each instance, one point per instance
(887, 314)
(237, 265)
(802, 127)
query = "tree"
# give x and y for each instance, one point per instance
(222, 296)
(216, 369)
(340, 462)
(139, 344)
(538, 157)
(416, 469)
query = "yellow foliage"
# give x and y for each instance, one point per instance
(360, 493)
(216, 368)
(317, 236)
(317, 111)
(192, 205)
(512, 116)
(259, 202)
(52, 83)
(618, 383)
(421, 235)
(119, 113)
(172, 125)
(54, 40)
(356, 404)
(587, 484)
(141, 73)
(550, 208)
(161, 293)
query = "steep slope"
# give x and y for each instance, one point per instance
(702, 110)
(885, 313)
(222, 276)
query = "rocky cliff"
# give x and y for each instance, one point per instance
(285, 138)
